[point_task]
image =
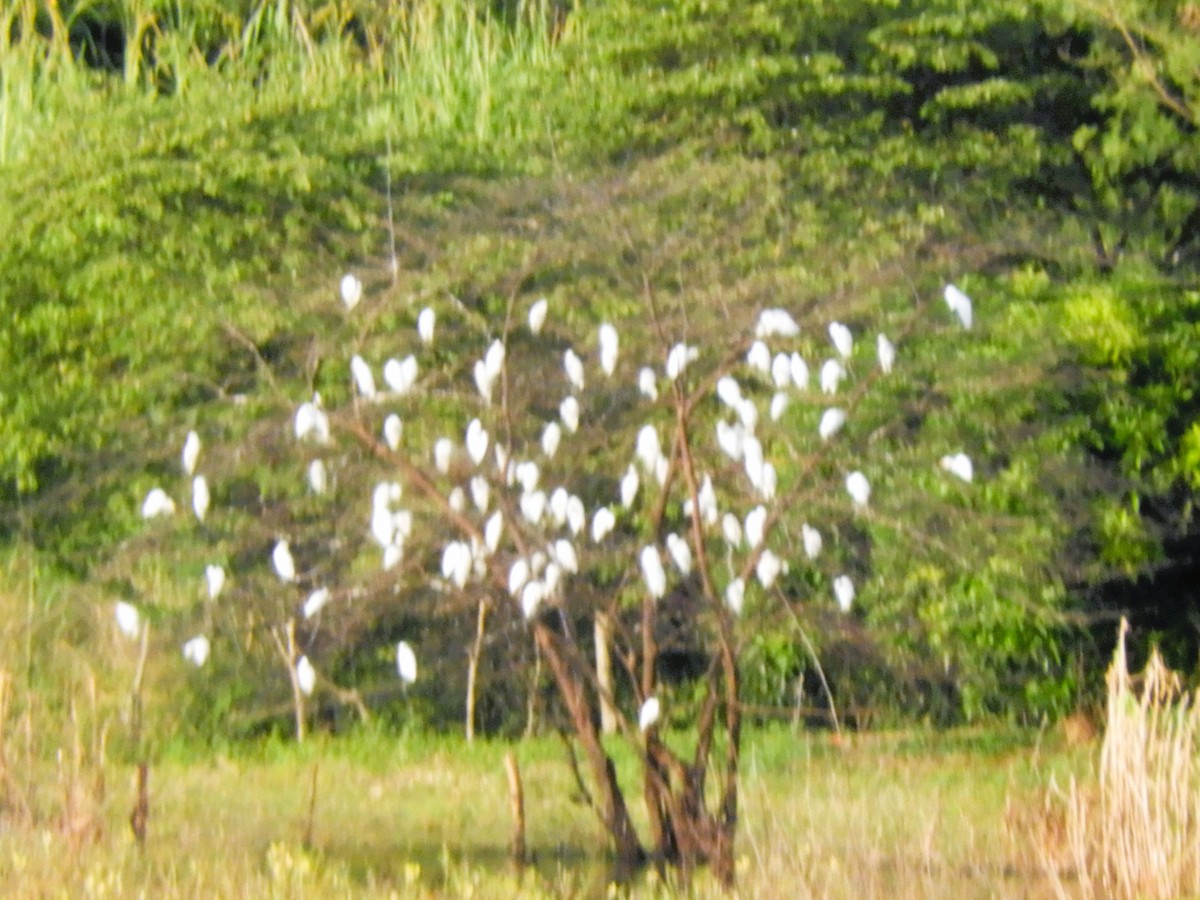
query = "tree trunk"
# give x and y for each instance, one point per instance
(604, 672)
(473, 668)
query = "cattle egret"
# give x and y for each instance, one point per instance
(191, 453)
(457, 499)
(652, 571)
(528, 474)
(781, 370)
(537, 316)
(799, 371)
(959, 465)
(752, 458)
(518, 576)
(564, 554)
(214, 580)
(768, 568)
(281, 560)
(318, 477)
(843, 341)
(477, 441)
(759, 357)
(456, 563)
(364, 381)
(748, 415)
(406, 663)
(649, 447)
(858, 488)
(533, 506)
(843, 590)
(493, 360)
(573, 366)
(678, 359)
(960, 305)
(707, 498)
(680, 552)
(559, 499)
(647, 384)
(662, 468)
(481, 493)
(201, 497)
(756, 521)
(550, 438)
(831, 374)
(306, 676)
(426, 322)
(832, 421)
(443, 449)
(886, 351)
(196, 650)
(128, 620)
(157, 503)
(732, 529)
(649, 713)
(603, 523)
(568, 411)
(735, 596)
(576, 514)
(312, 422)
(729, 439)
(483, 382)
(729, 391)
(770, 482)
(316, 602)
(629, 486)
(776, 323)
(399, 375)
(609, 343)
(392, 554)
(352, 290)
(532, 596)
(811, 539)
(492, 530)
(393, 428)
(779, 405)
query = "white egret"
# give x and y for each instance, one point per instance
(729, 391)
(559, 500)
(457, 499)
(483, 382)
(959, 465)
(564, 554)
(756, 521)
(811, 538)
(748, 415)
(768, 568)
(492, 530)
(518, 575)
(393, 429)
(443, 450)
(493, 360)
(281, 560)
(316, 601)
(678, 359)
(752, 459)
(779, 405)
(306, 676)
(707, 498)
(477, 441)
(652, 571)
(843, 591)
(576, 514)
(481, 493)
(886, 351)
(629, 486)
(573, 366)
(352, 290)
(832, 421)
(858, 488)
(647, 383)
(528, 474)
(537, 315)
(214, 580)
(426, 322)
(649, 447)
(532, 596)
(392, 554)
(960, 305)
(401, 375)
(680, 552)
(832, 373)
(200, 497)
(759, 357)
(191, 453)
(781, 370)
(770, 481)
(731, 527)
(312, 422)
(662, 468)
(456, 563)
(157, 503)
(551, 436)
(648, 714)
(603, 523)
(128, 621)
(318, 477)
(406, 663)
(799, 370)
(364, 381)
(568, 411)
(196, 650)
(729, 439)
(776, 323)
(735, 596)
(843, 341)
(383, 525)
(609, 343)
(552, 578)
(533, 506)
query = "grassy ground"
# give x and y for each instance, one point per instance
(907, 814)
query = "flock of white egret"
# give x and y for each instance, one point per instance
(537, 575)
